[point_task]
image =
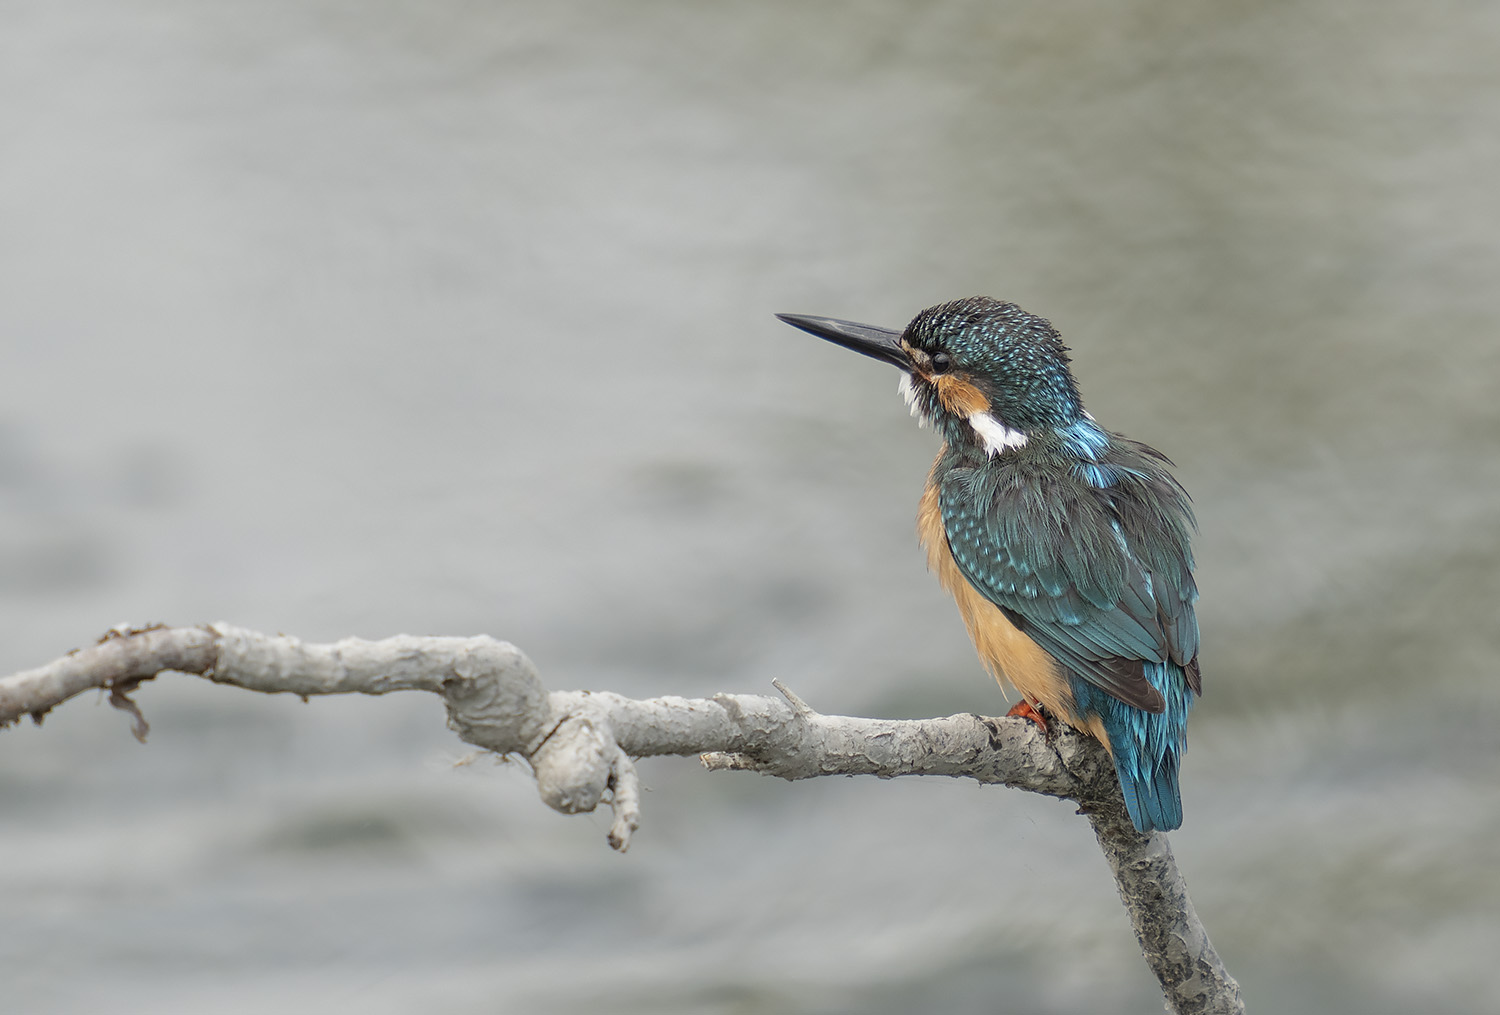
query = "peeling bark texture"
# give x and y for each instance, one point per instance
(579, 745)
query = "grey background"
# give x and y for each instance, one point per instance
(448, 318)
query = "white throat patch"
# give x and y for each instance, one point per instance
(995, 434)
(909, 396)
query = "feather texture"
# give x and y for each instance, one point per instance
(1093, 565)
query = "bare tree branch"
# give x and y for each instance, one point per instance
(580, 745)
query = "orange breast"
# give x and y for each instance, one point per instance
(1009, 655)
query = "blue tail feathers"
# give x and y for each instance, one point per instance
(1147, 746)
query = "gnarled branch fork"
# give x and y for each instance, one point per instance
(580, 745)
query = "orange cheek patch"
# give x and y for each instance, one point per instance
(959, 396)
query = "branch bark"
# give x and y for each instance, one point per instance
(579, 745)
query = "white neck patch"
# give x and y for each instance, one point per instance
(995, 434)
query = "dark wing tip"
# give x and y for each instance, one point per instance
(1147, 699)
(1125, 679)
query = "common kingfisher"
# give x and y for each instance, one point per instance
(1065, 545)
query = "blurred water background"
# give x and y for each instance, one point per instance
(358, 318)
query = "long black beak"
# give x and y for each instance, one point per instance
(880, 343)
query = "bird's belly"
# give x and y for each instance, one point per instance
(1005, 651)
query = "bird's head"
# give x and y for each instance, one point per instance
(979, 370)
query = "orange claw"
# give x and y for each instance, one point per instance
(1024, 710)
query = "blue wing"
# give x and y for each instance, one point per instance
(1093, 564)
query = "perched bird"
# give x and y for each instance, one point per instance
(1066, 546)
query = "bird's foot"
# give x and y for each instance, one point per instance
(1023, 709)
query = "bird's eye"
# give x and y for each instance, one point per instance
(941, 362)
